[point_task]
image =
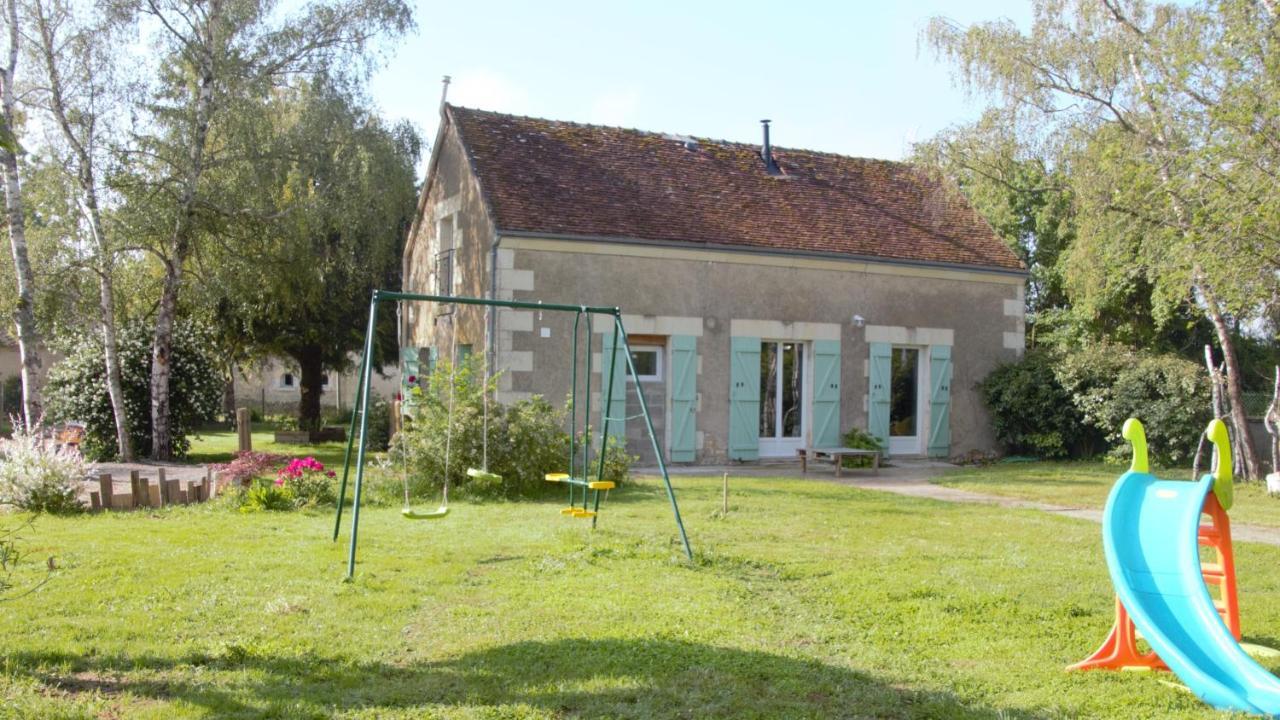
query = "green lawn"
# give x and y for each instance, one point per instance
(808, 600)
(1085, 485)
(219, 446)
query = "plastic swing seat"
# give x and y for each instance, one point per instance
(411, 514)
(485, 475)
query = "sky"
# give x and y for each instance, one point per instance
(849, 77)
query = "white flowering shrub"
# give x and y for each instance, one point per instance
(35, 475)
(77, 388)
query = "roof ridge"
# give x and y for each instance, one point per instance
(665, 134)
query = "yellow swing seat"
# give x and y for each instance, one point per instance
(485, 475)
(411, 514)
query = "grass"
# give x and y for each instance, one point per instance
(1086, 485)
(807, 600)
(219, 446)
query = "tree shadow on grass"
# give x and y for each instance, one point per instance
(580, 678)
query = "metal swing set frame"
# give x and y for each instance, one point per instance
(361, 407)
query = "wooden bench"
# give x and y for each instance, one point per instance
(837, 455)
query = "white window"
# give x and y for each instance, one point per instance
(648, 362)
(287, 380)
(324, 382)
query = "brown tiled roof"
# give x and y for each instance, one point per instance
(561, 178)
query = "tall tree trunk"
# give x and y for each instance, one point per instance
(179, 248)
(111, 354)
(161, 348)
(1235, 393)
(24, 315)
(311, 386)
(86, 178)
(229, 392)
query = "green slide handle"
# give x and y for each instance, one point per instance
(1223, 485)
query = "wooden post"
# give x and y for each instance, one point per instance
(725, 501)
(142, 493)
(153, 495)
(244, 430)
(136, 497)
(95, 501)
(164, 487)
(173, 490)
(106, 490)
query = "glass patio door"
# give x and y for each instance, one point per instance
(905, 414)
(781, 398)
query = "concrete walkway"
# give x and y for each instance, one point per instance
(912, 478)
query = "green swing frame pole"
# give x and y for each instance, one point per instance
(573, 404)
(586, 426)
(653, 437)
(370, 334)
(346, 458)
(362, 394)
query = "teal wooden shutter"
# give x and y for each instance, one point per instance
(878, 393)
(684, 397)
(744, 398)
(826, 393)
(613, 361)
(940, 401)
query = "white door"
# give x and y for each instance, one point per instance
(907, 426)
(782, 393)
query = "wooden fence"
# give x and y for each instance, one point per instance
(148, 492)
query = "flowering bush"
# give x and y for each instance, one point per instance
(307, 482)
(76, 389)
(248, 465)
(36, 476)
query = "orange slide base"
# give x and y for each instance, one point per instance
(1120, 650)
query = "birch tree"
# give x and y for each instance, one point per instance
(24, 313)
(217, 55)
(73, 71)
(1144, 104)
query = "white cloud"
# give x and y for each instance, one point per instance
(616, 107)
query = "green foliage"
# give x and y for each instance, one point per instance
(76, 389)
(1109, 383)
(862, 440)
(37, 476)
(339, 186)
(1032, 413)
(265, 495)
(526, 440)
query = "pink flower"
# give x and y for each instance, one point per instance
(331, 474)
(413, 379)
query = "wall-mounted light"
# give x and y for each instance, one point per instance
(859, 321)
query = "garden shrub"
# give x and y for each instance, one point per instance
(307, 482)
(1110, 383)
(37, 476)
(1032, 413)
(859, 439)
(249, 465)
(527, 439)
(266, 494)
(76, 389)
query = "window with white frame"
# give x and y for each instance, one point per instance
(648, 362)
(288, 381)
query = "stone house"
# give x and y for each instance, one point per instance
(774, 298)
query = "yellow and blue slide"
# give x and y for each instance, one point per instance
(1149, 532)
